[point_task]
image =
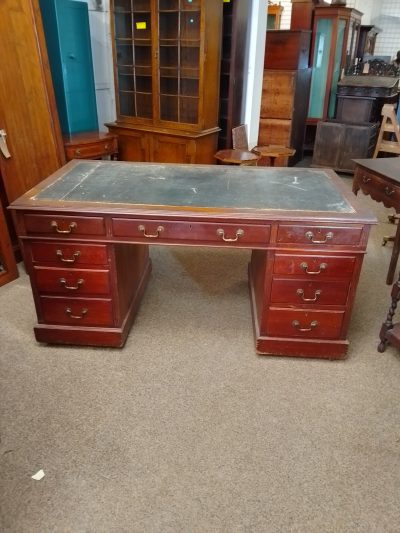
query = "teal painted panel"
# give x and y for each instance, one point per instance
(336, 68)
(320, 68)
(67, 33)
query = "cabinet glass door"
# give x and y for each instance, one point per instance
(320, 68)
(132, 29)
(179, 60)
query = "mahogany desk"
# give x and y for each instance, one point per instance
(380, 178)
(85, 233)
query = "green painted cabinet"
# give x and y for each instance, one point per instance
(66, 28)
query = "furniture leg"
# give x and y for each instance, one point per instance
(394, 258)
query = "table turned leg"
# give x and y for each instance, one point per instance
(394, 258)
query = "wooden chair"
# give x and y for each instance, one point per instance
(239, 154)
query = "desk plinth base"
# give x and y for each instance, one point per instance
(293, 347)
(97, 336)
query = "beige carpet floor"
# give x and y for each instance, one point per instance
(186, 429)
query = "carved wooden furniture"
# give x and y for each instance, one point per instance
(86, 230)
(166, 66)
(234, 35)
(367, 40)
(338, 143)
(360, 98)
(380, 178)
(31, 146)
(91, 145)
(286, 83)
(390, 331)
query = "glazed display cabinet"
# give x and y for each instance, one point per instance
(166, 56)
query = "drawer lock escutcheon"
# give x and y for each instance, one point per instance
(300, 292)
(68, 311)
(74, 257)
(310, 236)
(71, 227)
(221, 233)
(389, 191)
(63, 282)
(296, 324)
(159, 229)
(322, 267)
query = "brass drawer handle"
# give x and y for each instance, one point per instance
(71, 227)
(63, 282)
(304, 266)
(77, 152)
(300, 292)
(151, 235)
(389, 191)
(296, 324)
(221, 233)
(365, 179)
(74, 257)
(68, 312)
(310, 236)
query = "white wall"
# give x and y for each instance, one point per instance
(388, 19)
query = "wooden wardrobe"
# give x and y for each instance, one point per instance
(30, 137)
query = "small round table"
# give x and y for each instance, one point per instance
(237, 157)
(272, 151)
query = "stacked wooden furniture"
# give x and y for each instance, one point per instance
(32, 144)
(286, 83)
(166, 66)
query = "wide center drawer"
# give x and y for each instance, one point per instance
(72, 281)
(66, 226)
(219, 233)
(71, 254)
(314, 266)
(319, 235)
(77, 311)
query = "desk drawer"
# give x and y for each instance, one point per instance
(73, 254)
(72, 281)
(153, 230)
(65, 226)
(319, 235)
(304, 323)
(92, 150)
(314, 266)
(380, 189)
(304, 292)
(76, 311)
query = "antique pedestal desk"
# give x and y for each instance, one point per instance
(85, 232)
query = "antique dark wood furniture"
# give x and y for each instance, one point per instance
(86, 229)
(91, 145)
(234, 35)
(380, 178)
(390, 332)
(367, 40)
(361, 98)
(286, 84)
(31, 145)
(338, 143)
(167, 56)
